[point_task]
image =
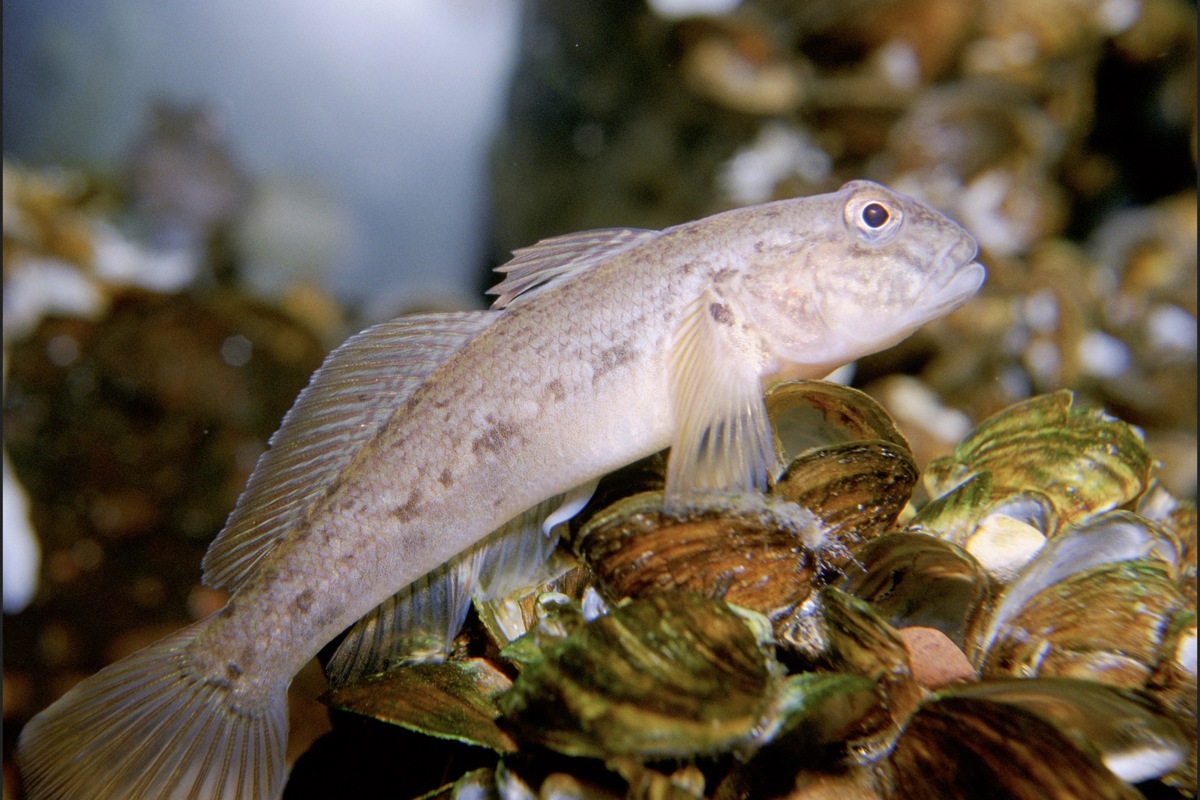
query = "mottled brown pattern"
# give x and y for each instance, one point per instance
(304, 601)
(721, 313)
(494, 439)
(556, 390)
(408, 511)
(611, 358)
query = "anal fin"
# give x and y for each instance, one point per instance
(419, 622)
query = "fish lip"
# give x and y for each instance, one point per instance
(961, 276)
(960, 286)
(960, 253)
(956, 257)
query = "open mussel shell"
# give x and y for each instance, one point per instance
(452, 700)
(913, 579)
(1106, 538)
(1178, 518)
(1013, 531)
(668, 675)
(807, 414)
(1003, 529)
(506, 619)
(750, 550)
(1113, 623)
(553, 617)
(1084, 460)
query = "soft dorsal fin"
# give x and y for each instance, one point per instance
(535, 266)
(349, 399)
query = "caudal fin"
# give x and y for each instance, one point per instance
(145, 728)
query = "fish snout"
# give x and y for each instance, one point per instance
(961, 252)
(955, 275)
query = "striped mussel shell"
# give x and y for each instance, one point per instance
(849, 475)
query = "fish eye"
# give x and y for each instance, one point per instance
(874, 219)
(875, 215)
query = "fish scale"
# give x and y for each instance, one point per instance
(429, 451)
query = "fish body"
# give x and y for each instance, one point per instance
(420, 464)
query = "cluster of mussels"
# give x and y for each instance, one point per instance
(1020, 621)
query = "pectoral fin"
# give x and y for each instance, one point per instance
(723, 437)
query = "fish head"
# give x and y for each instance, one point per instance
(853, 272)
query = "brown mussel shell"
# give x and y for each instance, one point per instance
(749, 550)
(452, 700)
(963, 748)
(1130, 733)
(857, 489)
(807, 414)
(1106, 623)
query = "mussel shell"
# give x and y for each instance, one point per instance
(1105, 624)
(746, 549)
(916, 579)
(1003, 545)
(1002, 531)
(553, 617)
(856, 489)
(508, 618)
(819, 713)
(1174, 687)
(963, 748)
(1178, 517)
(452, 700)
(668, 675)
(1083, 459)
(953, 516)
(1131, 734)
(1106, 538)
(807, 414)
(840, 633)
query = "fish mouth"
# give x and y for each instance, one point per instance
(961, 253)
(963, 285)
(963, 278)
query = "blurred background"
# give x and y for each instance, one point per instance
(369, 124)
(200, 200)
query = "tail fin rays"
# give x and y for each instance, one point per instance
(146, 728)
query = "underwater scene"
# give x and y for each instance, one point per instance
(662, 436)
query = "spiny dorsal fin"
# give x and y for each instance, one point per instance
(349, 399)
(533, 267)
